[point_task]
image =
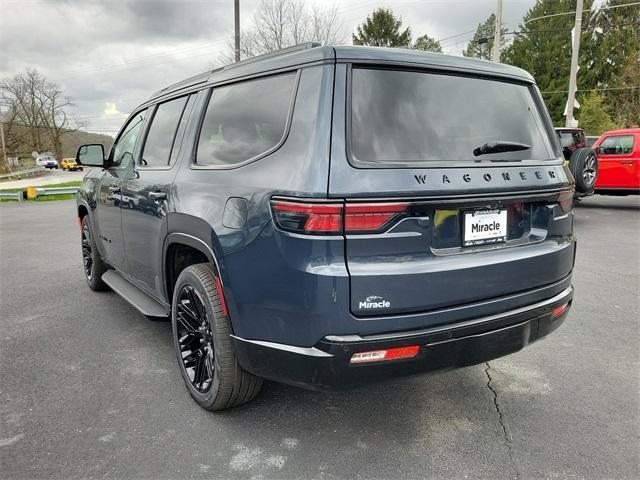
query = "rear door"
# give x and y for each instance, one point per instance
(147, 192)
(452, 188)
(617, 164)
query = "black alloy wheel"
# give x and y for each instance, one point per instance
(87, 257)
(92, 263)
(195, 338)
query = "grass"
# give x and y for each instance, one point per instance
(45, 198)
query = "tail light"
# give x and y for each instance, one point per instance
(384, 355)
(559, 310)
(316, 218)
(565, 200)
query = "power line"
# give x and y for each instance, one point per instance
(595, 89)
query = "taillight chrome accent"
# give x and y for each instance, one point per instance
(312, 217)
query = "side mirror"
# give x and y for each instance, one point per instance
(91, 155)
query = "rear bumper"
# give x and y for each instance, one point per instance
(326, 365)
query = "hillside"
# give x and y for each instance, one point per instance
(72, 140)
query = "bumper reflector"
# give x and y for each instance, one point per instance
(559, 310)
(382, 355)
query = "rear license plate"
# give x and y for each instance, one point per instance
(484, 226)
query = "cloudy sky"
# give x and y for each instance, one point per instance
(110, 55)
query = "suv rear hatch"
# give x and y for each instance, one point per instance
(453, 186)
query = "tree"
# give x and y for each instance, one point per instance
(427, 43)
(543, 48)
(382, 29)
(625, 102)
(478, 47)
(593, 117)
(278, 24)
(37, 117)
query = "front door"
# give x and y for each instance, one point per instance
(147, 192)
(109, 201)
(616, 162)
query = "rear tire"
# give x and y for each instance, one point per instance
(202, 338)
(584, 168)
(93, 265)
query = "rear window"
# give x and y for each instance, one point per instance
(244, 120)
(408, 117)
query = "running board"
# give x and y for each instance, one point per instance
(137, 298)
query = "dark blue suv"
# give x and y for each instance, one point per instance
(329, 216)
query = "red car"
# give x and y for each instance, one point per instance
(618, 162)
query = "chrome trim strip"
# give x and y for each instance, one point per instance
(307, 351)
(476, 321)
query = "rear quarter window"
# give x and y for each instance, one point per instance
(411, 117)
(245, 120)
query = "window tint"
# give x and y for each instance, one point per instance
(245, 119)
(157, 147)
(122, 156)
(413, 117)
(620, 145)
(177, 143)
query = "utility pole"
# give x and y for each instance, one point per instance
(236, 8)
(577, 32)
(4, 148)
(497, 33)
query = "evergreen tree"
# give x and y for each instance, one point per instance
(427, 43)
(485, 30)
(382, 29)
(543, 48)
(593, 117)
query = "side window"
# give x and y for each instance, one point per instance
(244, 120)
(157, 147)
(122, 152)
(618, 145)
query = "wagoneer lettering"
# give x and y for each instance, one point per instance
(318, 217)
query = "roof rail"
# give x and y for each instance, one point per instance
(200, 78)
(296, 48)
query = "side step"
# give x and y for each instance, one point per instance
(140, 300)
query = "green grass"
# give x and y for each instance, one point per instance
(45, 198)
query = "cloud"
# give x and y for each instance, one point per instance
(118, 52)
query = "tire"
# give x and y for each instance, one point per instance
(92, 263)
(222, 383)
(584, 168)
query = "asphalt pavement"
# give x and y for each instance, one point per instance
(90, 388)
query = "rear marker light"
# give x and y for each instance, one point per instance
(559, 310)
(383, 355)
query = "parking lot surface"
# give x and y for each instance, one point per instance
(90, 388)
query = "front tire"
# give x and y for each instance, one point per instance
(93, 265)
(202, 338)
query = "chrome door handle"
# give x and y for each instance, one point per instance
(114, 189)
(158, 195)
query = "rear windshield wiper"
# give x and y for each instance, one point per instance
(499, 147)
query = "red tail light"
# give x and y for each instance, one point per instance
(565, 200)
(311, 218)
(370, 217)
(335, 218)
(559, 310)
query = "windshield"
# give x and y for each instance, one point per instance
(405, 117)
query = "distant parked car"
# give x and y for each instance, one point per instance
(619, 157)
(47, 161)
(580, 159)
(591, 140)
(70, 164)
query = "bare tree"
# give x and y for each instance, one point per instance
(38, 115)
(279, 24)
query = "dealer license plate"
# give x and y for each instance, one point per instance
(484, 226)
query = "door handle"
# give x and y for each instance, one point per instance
(158, 195)
(628, 163)
(114, 189)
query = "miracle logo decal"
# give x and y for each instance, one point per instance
(374, 301)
